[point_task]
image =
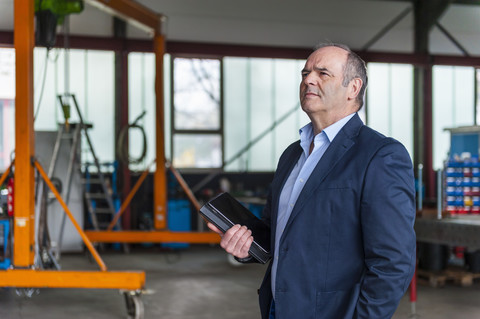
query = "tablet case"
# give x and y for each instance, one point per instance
(224, 211)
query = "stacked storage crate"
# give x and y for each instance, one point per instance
(463, 186)
(462, 172)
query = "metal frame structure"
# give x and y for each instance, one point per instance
(24, 274)
(141, 17)
(147, 20)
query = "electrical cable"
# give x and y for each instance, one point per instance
(122, 151)
(44, 76)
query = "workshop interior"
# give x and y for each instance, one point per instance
(120, 119)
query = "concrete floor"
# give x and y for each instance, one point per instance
(197, 283)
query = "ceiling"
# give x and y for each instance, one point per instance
(287, 23)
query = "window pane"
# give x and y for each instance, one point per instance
(91, 80)
(259, 92)
(7, 106)
(453, 103)
(7, 132)
(7, 73)
(199, 150)
(477, 72)
(47, 109)
(390, 101)
(261, 115)
(197, 93)
(287, 105)
(141, 97)
(99, 104)
(236, 111)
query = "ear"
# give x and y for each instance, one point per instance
(354, 88)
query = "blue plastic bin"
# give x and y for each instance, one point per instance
(178, 219)
(5, 227)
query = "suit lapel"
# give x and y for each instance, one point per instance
(344, 140)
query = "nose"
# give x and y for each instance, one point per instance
(309, 79)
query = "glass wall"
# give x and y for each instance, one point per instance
(90, 76)
(141, 98)
(261, 106)
(7, 106)
(256, 94)
(239, 111)
(453, 106)
(390, 101)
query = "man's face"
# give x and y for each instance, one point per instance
(321, 89)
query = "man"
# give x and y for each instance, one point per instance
(341, 206)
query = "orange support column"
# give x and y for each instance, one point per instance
(24, 40)
(159, 177)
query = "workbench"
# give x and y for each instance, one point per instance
(459, 230)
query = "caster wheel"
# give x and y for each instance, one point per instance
(135, 309)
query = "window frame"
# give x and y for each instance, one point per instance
(214, 132)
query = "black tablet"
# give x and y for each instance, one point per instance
(224, 211)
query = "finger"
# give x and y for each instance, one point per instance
(228, 235)
(244, 252)
(239, 246)
(232, 236)
(215, 229)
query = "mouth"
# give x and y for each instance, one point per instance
(310, 94)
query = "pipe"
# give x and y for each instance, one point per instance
(420, 186)
(439, 194)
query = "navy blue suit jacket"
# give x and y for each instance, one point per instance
(348, 249)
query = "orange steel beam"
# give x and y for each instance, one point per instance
(131, 11)
(28, 278)
(85, 239)
(130, 197)
(159, 177)
(5, 175)
(24, 41)
(153, 237)
(184, 186)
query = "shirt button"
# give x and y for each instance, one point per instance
(291, 205)
(301, 180)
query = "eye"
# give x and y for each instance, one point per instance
(305, 74)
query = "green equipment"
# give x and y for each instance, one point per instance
(49, 14)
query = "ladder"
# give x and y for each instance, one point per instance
(97, 201)
(48, 254)
(94, 196)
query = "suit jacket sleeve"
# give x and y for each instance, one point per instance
(387, 216)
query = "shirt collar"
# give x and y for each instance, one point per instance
(306, 132)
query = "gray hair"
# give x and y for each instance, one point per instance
(355, 67)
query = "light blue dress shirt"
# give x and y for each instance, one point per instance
(299, 176)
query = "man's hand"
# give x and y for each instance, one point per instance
(236, 241)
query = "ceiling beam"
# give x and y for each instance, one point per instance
(132, 12)
(220, 50)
